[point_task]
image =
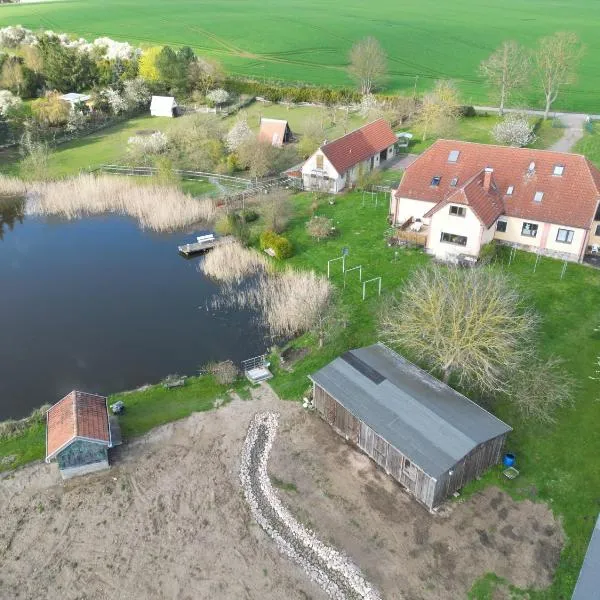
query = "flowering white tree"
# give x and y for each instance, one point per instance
(116, 50)
(514, 130)
(370, 107)
(238, 134)
(8, 102)
(77, 121)
(116, 102)
(14, 36)
(136, 93)
(217, 97)
(149, 144)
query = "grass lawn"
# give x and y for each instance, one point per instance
(589, 145)
(292, 42)
(558, 463)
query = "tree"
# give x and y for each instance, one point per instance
(205, 73)
(256, 156)
(470, 324)
(539, 388)
(51, 110)
(136, 93)
(12, 76)
(514, 130)
(32, 58)
(440, 109)
(319, 227)
(556, 61)
(147, 66)
(276, 210)
(368, 64)
(312, 137)
(238, 134)
(217, 97)
(8, 103)
(505, 70)
(173, 67)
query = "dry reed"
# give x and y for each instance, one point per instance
(231, 263)
(12, 186)
(12, 427)
(155, 207)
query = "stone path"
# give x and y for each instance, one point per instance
(329, 568)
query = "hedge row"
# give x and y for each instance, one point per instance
(281, 246)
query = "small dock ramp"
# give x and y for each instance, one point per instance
(204, 243)
(256, 369)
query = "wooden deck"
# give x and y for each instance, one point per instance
(203, 246)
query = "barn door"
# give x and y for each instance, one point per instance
(380, 450)
(330, 410)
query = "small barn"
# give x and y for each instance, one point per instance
(79, 434)
(75, 99)
(163, 106)
(275, 131)
(427, 436)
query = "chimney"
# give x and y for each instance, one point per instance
(487, 178)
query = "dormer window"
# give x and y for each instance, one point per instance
(453, 156)
(435, 181)
(454, 182)
(509, 190)
(538, 196)
(558, 170)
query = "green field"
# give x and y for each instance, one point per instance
(309, 41)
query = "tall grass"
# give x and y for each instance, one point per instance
(155, 207)
(12, 427)
(12, 186)
(232, 263)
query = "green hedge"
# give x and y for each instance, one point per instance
(280, 245)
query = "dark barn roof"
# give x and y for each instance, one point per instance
(588, 584)
(424, 419)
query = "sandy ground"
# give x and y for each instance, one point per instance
(169, 521)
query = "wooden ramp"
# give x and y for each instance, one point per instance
(204, 244)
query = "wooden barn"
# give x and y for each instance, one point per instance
(426, 435)
(276, 132)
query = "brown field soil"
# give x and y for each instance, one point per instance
(169, 521)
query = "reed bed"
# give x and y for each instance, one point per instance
(155, 207)
(12, 186)
(232, 263)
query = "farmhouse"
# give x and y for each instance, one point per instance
(338, 164)
(163, 106)
(427, 436)
(275, 131)
(78, 434)
(458, 196)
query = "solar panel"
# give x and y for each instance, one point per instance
(363, 368)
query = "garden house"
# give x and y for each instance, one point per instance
(163, 106)
(427, 436)
(78, 434)
(275, 131)
(75, 99)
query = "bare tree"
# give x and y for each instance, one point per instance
(539, 388)
(313, 135)
(368, 64)
(440, 109)
(276, 210)
(505, 70)
(556, 61)
(467, 323)
(257, 156)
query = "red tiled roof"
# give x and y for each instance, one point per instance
(358, 145)
(570, 199)
(486, 204)
(77, 415)
(270, 128)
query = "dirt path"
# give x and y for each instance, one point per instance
(170, 521)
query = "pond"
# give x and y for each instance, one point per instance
(100, 305)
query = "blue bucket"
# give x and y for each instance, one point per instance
(509, 460)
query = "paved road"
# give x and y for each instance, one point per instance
(574, 124)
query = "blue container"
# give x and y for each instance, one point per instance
(509, 460)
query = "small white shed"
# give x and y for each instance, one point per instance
(74, 99)
(163, 106)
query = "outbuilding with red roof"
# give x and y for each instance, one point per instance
(458, 196)
(78, 434)
(338, 164)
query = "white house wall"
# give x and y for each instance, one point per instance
(337, 182)
(407, 208)
(443, 222)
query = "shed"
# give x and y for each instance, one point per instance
(588, 583)
(426, 435)
(163, 106)
(275, 131)
(78, 434)
(74, 99)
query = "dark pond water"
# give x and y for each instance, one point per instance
(101, 306)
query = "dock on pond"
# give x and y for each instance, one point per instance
(204, 243)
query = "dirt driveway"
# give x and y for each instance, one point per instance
(170, 521)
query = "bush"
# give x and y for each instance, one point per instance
(280, 245)
(319, 227)
(467, 111)
(225, 372)
(249, 216)
(225, 225)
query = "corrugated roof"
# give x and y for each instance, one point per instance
(588, 583)
(77, 415)
(569, 199)
(426, 420)
(358, 145)
(272, 131)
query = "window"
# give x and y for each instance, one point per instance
(597, 229)
(565, 236)
(538, 196)
(501, 226)
(558, 170)
(453, 156)
(451, 238)
(319, 161)
(436, 180)
(529, 229)
(509, 190)
(458, 211)
(454, 181)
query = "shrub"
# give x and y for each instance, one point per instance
(280, 245)
(224, 225)
(249, 216)
(225, 372)
(319, 227)
(467, 111)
